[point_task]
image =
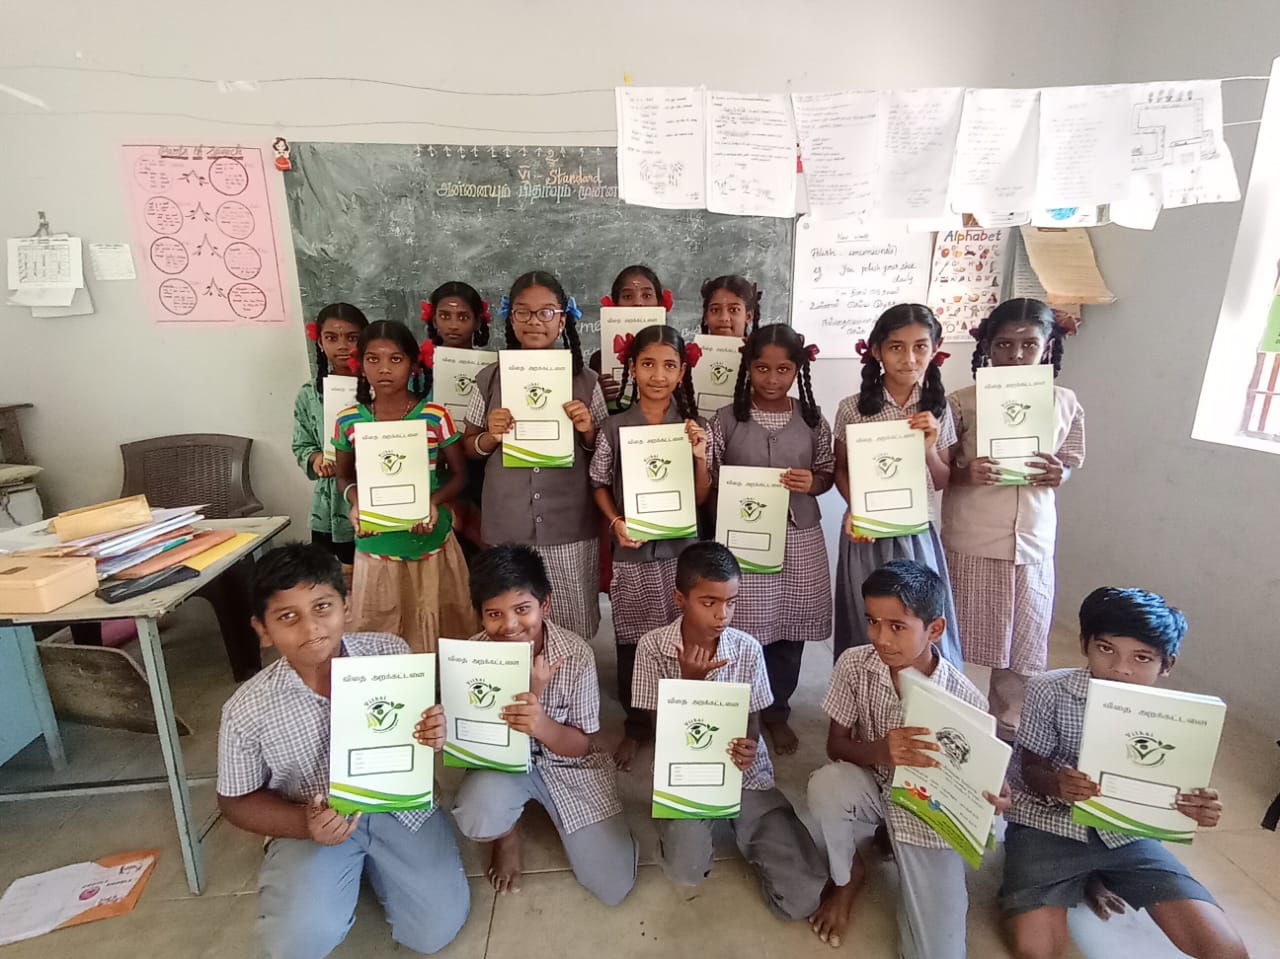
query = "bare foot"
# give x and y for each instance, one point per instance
(624, 753)
(504, 867)
(832, 918)
(785, 741)
(1101, 901)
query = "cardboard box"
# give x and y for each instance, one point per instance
(41, 584)
(103, 518)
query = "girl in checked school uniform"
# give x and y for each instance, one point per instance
(457, 317)
(730, 306)
(901, 379)
(643, 586)
(548, 509)
(1000, 539)
(636, 285)
(335, 333)
(412, 583)
(766, 427)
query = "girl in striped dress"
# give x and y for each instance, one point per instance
(548, 509)
(901, 380)
(766, 427)
(642, 590)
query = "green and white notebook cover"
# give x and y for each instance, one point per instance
(477, 679)
(536, 384)
(888, 490)
(693, 776)
(393, 474)
(752, 507)
(454, 373)
(1016, 418)
(657, 482)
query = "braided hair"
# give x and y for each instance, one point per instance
(1022, 310)
(397, 333)
(468, 295)
(782, 335)
(740, 287)
(669, 336)
(933, 395)
(543, 279)
(334, 311)
(640, 270)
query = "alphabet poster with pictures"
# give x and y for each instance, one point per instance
(205, 234)
(968, 275)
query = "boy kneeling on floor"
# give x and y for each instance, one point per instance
(273, 780)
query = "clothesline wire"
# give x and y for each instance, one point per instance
(448, 91)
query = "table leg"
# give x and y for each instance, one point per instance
(162, 701)
(26, 642)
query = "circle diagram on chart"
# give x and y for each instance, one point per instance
(228, 176)
(247, 301)
(162, 215)
(234, 219)
(169, 255)
(242, 261)
(151, 174)
(177, 296)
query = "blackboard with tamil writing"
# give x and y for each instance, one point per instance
(381, 225)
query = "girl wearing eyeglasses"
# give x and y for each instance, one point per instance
(552, 510)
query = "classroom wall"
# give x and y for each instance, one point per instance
(1153, 507)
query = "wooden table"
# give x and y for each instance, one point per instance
(145, 611)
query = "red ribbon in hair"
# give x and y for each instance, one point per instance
(692, 353)
(428, 311)
(622, 346)
(941, 357)
(812, 351)
(484, 310)
(606, 300)
(313, 331)
(667, 300)
(427, 353)
(353, 363)
(864, 350)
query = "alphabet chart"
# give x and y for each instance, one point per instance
(205, 233)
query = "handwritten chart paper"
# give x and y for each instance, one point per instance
(1084, 157)
(847, 273)
(995, 164)
(204, 229)
(837, 133)
(751, 155)
(968, 270)
(661, 147)
(916, 133)
(1176, 131)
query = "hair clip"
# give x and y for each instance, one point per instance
(607, 300)
(622, 346)
(504, 307)
(427, 353)
(812, 351)
(668, 301)
(353, 363)
(313, 331)
(941, 357)
(692, 352)
(571, 310)
(863, 349)
(975, 332)
(484, 310)
(428, 311)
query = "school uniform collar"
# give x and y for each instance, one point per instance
(669, 642)
(913, 401)
(884, 677)
(286, 680)
(1077, 684)
(632, 416)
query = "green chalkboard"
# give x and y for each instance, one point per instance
(381, 225)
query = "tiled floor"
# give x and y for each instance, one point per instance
(553, 916)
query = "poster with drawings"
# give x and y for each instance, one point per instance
(205, 234)
(967, 276)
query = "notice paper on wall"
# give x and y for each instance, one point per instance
(847, 273)
(967, 277)
(1176, 131)
(112, 261)
(995, 163)
(837, 134)
(1023, 283)
(1084, 137)
(1064, 263)
(916, 138)
(751, 154)
(202, 216)
(662, 146)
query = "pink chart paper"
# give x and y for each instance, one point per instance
(205, 234)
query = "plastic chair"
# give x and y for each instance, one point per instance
(192, 468)
(186, 470)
